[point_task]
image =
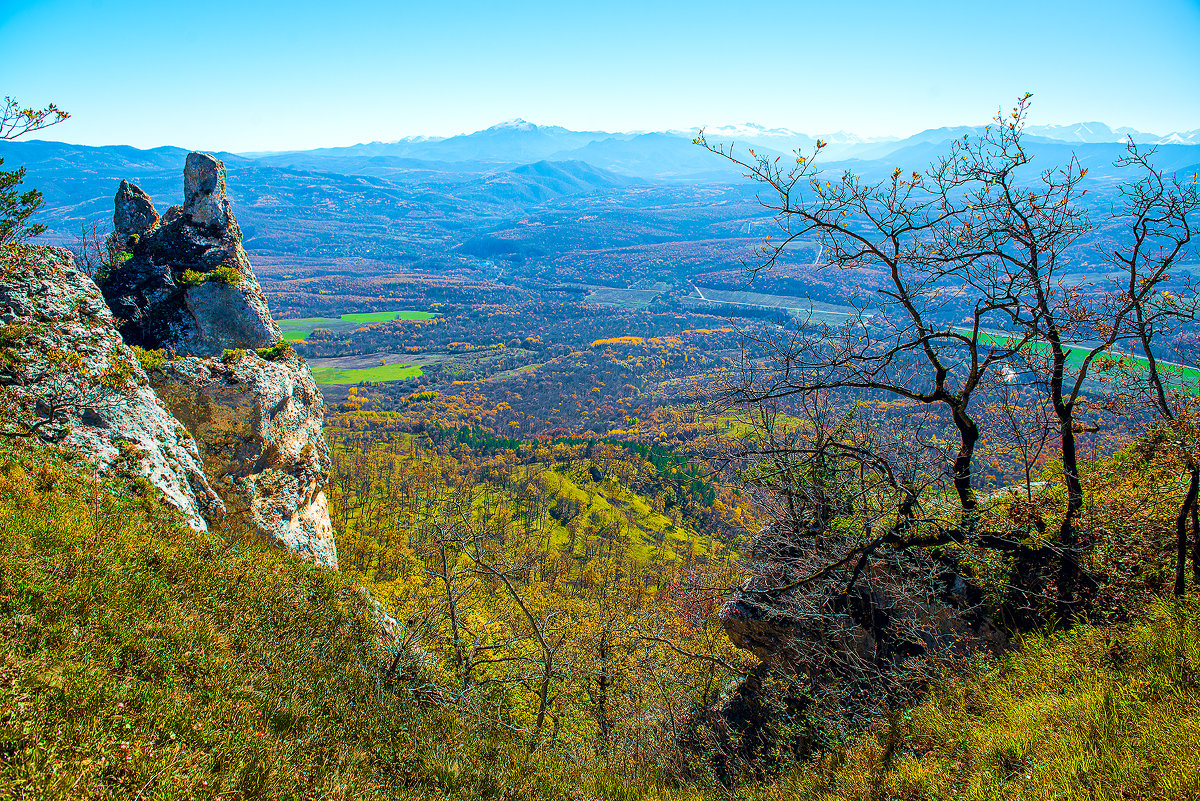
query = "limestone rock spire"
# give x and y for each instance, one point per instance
(204, 201)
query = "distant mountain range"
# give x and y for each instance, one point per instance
(660, 155)
(519, 200)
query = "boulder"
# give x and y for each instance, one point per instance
(258, 423)
(67, 377)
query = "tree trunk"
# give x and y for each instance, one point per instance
(968, 433)
(1069, 565)
(1181, 530)
(1196, 543)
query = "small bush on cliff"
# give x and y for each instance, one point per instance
(17, 207)
(222, 275)
(277, 351)
(150, 359)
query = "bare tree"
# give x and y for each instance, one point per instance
(1156, 214)
(966, 269)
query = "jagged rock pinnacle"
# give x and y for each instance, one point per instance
(187, 288)
(186, 284)
(135, 213)
(204, 198)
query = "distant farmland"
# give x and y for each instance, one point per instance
(383, 372)
(303, 328)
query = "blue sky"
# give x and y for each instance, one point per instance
(242, 76)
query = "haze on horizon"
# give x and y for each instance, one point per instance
(275, 76)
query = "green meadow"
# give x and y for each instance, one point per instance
(302, 328)
(382, 372)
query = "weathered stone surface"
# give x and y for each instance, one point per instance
(258, 424)
(134, 215)
(75, 382)
(204, 191)
(188, 290)
(188, 285)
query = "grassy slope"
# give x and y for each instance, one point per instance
(1093, 714)
(139, 660)
(645, 529)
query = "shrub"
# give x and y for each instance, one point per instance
(225, 275)
(222, 274)
(192, 278)
(150, 359)
(275, 352)
(232, 354)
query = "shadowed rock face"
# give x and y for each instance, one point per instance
(187, 284)
(81, 386)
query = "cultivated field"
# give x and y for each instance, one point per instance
(303, 327)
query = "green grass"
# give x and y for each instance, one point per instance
(355, 375)
(302, 328)
(141, 659)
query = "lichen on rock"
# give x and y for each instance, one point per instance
(66, 377)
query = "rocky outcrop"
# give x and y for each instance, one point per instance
(67, 377)
(135, 214)
(184, 280)
(186, 290)
(814, 607)
(259, 422)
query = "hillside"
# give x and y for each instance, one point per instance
(505, 484)
(144, 660)
(1099, 713)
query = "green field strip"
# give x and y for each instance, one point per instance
(1076, 355)
(302, 328)
(387, 316)
(383, 372)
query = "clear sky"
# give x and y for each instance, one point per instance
(245, 75)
